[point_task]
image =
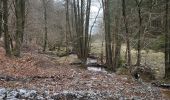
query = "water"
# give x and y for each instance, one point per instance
(89, 61)
(96, 69)
(92, 68)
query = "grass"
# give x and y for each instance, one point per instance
(153, 59)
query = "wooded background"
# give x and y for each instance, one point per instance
(67, 24)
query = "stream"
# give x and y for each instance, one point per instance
(92, 65)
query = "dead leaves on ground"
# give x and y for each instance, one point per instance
(39, 72)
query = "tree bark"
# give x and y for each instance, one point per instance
(167, 46)
(108, 42)
(117, 54)
(6, 33)
(23, 19)
(68, 29)
(20, 19)
(82, 16)
(45, 25)
(138, 3)
(1, 14)
(86, 41)
(127, 33)
(118, 42)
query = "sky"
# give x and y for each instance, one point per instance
(96, 4)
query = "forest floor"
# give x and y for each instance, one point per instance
(61, 81)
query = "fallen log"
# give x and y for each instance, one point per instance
(161, 85)
(165, 86)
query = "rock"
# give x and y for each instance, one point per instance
(3, 93)
(31, 94)
(3, 90)
(13, 95)
(62, 96)
(22, 92)
(84, 95)
(45, 94)
(39, 98)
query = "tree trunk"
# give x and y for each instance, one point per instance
(108, 42)
(167, 46)
(86, 41)
(1, 14)
(20, 12)
(45, 25)
(68, 29)
(127, 33)
(6, 33)
(82, 16)
(117, 42)
(102, 53)
(23, 19)
(138, 3)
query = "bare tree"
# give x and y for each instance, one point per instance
(117, 37)
(23, 18)
(20, 20)
(45, 25)
(108, 41)
(82, 16)
(127, 32)
(167, 41)
(1, 14)
(138, 3)
(6, 33)
(68, 26)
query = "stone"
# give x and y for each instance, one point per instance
(13, 94)
(3, 93)
(22, 91)
(39, 98)
(31, 94)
